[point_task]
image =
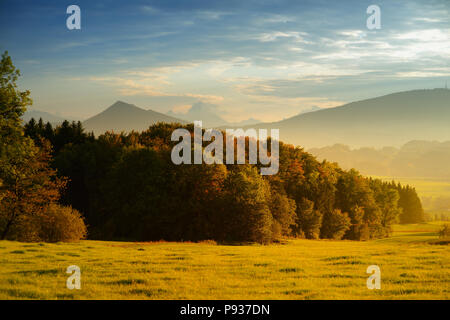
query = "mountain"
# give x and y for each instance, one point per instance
(205, 112)
(208, 114)
(248, 122)
(122, 116)
(311, 109)
(392, 120)
(46, 117)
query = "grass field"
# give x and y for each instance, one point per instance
(411, 268)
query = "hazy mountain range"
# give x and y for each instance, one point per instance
(45, 116)
(210, 116)
(390, 120)
(426, 159)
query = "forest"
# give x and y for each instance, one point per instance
(62, 183)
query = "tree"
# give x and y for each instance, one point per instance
(355, 197)
(309, 220)
(409, 202)
(14, 148)
(246, 215)
(386, 197)
(283, 211)
(335, 224)
(27, 183)
(30, 185)
(13, 102)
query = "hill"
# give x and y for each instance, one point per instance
(46, 117)
(122, 116)
(427, 159)
(391, 120)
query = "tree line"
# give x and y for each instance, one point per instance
(129, 189)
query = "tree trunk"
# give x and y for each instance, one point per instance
(5, 231)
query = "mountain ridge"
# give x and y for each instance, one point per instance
(122, 116)
(392, 119)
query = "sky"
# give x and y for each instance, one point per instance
(264, 59)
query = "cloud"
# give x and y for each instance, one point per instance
(181, 109)
(209, 113)
(430, 20)
(211, 15)
(272, 36)
(203, 97)
(151, 85)
(149, 9)
(429, 35)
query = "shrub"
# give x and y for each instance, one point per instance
(60, 223)
(445, 232)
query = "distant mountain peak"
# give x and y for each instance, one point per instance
(122, 116)
(121, 105)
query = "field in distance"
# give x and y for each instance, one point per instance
(434, 193)
(426, 187)
(411, 268)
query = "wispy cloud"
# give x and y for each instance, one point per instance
(273, 36)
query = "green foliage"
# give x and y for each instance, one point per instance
(409, 202)
(309, 220)
(335, 224)
(247, 217)
(128, 188)
(13, 102)
(283, 211)
(64, 134)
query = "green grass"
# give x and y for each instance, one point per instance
(415, 233)
(411, 268)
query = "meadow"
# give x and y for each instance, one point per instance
(411, 268)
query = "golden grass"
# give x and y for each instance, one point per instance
(411, 268)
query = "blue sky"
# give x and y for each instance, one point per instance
(263, 59)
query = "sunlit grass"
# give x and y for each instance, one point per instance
(411, 268)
